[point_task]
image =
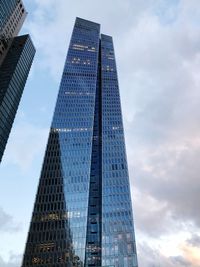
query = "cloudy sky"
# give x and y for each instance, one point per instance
(157, 45)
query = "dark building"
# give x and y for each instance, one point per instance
(16, 56)
(13, 74)
(83, 214)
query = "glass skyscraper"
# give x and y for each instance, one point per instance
(16, 56)
(82, 214)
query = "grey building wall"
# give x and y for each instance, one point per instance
(12, 16)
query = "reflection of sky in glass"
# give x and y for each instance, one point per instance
(74, 114)
(85, 158)
(118, 241)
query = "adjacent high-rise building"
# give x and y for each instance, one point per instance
(83, 214)
(12, 16)
(16, 56)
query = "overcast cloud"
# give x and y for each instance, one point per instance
(14, 261)
(158, 56)
(7, 223)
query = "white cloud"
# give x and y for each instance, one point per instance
(13, 261)
(7, 223)
(149, 257)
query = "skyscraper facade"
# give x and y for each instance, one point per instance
(16, 56)
(13, 74)
(12, 16)
(82, 214)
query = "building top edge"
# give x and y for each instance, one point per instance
(26, 37)
(88, 21)
(106, 37)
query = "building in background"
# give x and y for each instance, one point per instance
(12, 16)
(83, 214)
(16, 56)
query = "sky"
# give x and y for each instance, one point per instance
(157, 47)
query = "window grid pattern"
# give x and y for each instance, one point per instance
(13, 74)
(93, 241)
(12, 16)
(118, 241)
(73, 127)
(82, 214)
(6, 10)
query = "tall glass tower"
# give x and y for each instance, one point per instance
(16, 56)
(83, 214)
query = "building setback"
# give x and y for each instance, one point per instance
(83, 214)
(16, 56)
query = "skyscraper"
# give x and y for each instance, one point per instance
(12, 16)
(82, 214)
(16, 56)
